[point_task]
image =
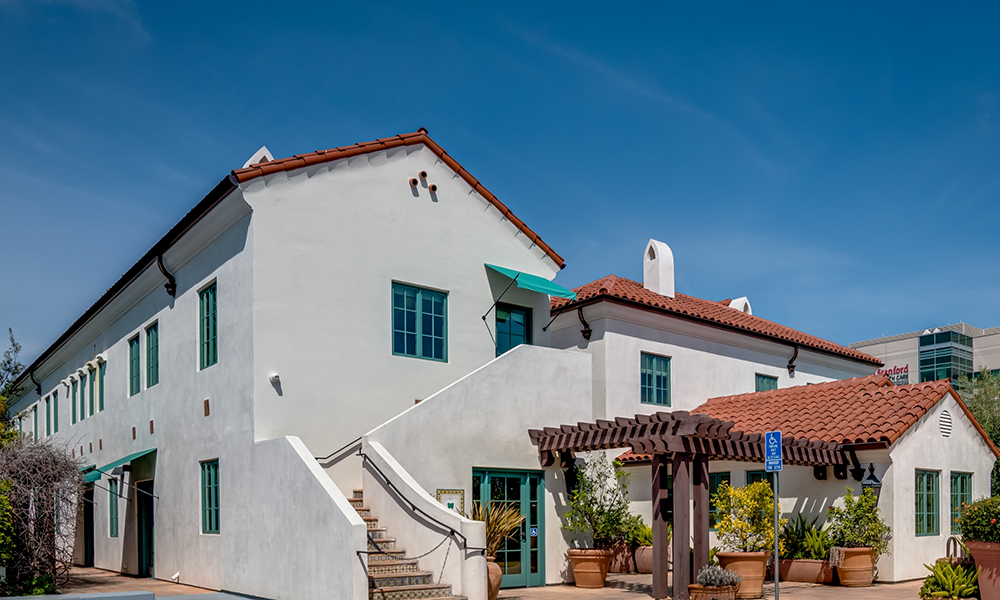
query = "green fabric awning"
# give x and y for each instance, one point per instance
(96, 474)
(535, 283)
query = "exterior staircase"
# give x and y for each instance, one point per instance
(392, 576)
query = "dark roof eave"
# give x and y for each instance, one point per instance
(210, 201)
(642, 306)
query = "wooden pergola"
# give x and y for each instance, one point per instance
(686, 442)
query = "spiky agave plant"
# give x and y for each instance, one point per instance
(502, 520)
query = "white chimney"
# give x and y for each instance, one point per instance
(658, 269)
(742, 305)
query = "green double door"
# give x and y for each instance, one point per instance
(522, 558)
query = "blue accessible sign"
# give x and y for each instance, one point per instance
(772, 451)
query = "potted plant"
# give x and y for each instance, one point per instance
(948, 580)
(745, 529)
(715, 583)
(981, 533)
(806, 552)
(859, 536)
(598, 508)
(502, 520)
(642, 540)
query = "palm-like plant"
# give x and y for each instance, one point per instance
(502, 520)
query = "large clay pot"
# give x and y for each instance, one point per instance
(806, 571)
(697, 591)
(590, 566)
(494, 576)
(858, 569)
(987, 557)
(644, 559)
(751, 565)
(621, 559)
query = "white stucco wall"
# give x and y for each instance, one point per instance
(705, 362)
(482, 421)
(336, 237)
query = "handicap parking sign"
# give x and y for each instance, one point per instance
(772, 451)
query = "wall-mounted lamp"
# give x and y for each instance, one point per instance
(871, 482)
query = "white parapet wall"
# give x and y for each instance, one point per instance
(482, 421)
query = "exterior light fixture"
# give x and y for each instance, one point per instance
(871, 482)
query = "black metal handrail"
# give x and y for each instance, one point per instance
(338, 451)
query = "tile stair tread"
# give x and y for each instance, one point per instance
(392, 575)
(407, 588)
(401, 561)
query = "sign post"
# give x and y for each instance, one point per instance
(772, 464)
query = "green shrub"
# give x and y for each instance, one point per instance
(746, 517)
(599, 504)
(712, 576)
(640, 534)
(858, 524)
(804, 540)
(950, 581)
(981, 520)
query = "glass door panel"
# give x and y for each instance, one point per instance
(521, 558)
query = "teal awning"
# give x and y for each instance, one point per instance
(96, 474)
(535, 283)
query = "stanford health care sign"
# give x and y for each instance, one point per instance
(897, 375)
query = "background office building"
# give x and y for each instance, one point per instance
(947, 352)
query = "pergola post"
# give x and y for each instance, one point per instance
(682, 524)
(701, 510)
(661, 510)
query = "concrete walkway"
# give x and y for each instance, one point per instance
(92, 581)
(636, 587)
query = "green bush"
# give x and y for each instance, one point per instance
(804, 540)
(858, 524)
(950, 581)
(640, 534)
(746, 522)
(981, 520)
(599, 504)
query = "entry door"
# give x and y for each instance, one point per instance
(522, 559)
(88, 527)
(145, 516)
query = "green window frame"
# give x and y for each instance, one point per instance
(83, 397)
(91, 381)
(34, 414)
(72, 400)
(48, 416)
(208, 326)
(655, 379)
(765, 383)
(419, 323)
(152, 355)
(928, 512)
(55, 411)
(513, 327)
(100, 386)
(113, 508)
(961, 493)
(210, 496)
(714, 481)
(133, 366)
(755, 476)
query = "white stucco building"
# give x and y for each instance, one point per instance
(377, 307)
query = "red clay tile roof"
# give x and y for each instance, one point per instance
(631, 458)
(849, 411)
(407, 139)
(619, 289)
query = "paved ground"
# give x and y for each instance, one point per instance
(84, 581)
(635, 587)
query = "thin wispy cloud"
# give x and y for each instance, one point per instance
(125, 11)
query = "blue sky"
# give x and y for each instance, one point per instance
(836, 163)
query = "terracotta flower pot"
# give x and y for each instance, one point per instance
(621, 559)
(751, 565)
(697, 591)
(987, 557)
(858, 569)
(806, 571)
(644, 559)
(590, 566)
(494, 576)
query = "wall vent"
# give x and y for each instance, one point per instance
(945, 423)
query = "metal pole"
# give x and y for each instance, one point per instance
(776, 574)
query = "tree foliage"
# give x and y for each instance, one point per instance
(858, 524)
(746, 518)
(599, 504)
(981, 393)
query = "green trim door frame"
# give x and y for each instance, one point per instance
(522, 559)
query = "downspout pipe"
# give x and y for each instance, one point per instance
(38, 386)
(171, 284)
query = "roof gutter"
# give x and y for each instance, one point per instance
(646, 307)
(210, 201)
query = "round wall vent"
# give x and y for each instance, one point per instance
(945, 423)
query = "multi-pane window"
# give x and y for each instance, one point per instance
(766, 382)
(100, 388)
(208, 326)
(133, 366)
(113, 507)
(55, 412)
(210, 496)
(714, 480)
(961, 493)
(419, 322)
(72, 400)
(928, 513)
(83, 397)
(152, 355)
(655, 375)
(755, 476)
(513, 327)
(92, 381)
